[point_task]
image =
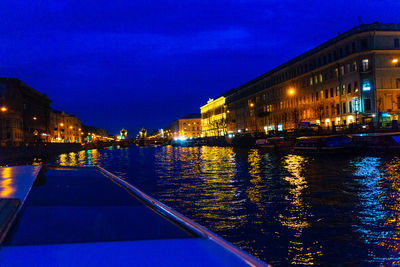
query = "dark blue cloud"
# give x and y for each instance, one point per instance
(140, 64)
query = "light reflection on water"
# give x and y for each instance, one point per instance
(285, 209)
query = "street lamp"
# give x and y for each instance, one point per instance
(291, 92)
(34, 118)
(395, 60)
(3, 109)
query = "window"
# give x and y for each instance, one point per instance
(316, 79)
(316, 96)
(337, 90)
(355, 86)
(350, 107)
(320, 78)
(367, 104)
(326, 93)
(396, 43)
(365, 64)
(349, 88)
(398, 83)
(398, 102)
(364, 43)
(337, 109)
(343, 89)
(342, 70)
(331, 92)
(311, 81)
(347, 50)
(354, 66)
(337, 72)
(353, 47)
(343, 107)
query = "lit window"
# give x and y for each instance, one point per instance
(365, 64)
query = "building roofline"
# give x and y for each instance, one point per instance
(376, 26)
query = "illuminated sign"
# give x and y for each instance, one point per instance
(280, 127)
(366, 85)
(356, 105)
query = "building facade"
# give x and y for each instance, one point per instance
(187, 126)
(352, 78)
(65, 128)
(213, 118)
(93, 134)
(24, 113)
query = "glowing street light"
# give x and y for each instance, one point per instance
(34, 118)
(251, 104)
(291, 91)
(3, 109)
(395, 60)
(61, 124)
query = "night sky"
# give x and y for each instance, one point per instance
(140, 64)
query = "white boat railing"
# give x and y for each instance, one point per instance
(184, 221)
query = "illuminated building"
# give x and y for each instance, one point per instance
(93, 134)
(187, 126)
(24, 113)
(213, 117)
(354, 77)
(65, 128)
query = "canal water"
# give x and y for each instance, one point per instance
(284, 209)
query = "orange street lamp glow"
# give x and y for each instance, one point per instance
(61, 124)
(395, 60)
(291, 92)
(3, 109)
(251, 105)
(70, 127)
(34, 118)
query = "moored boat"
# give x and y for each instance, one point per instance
(377, 141)
(276, 144)
(322, 144)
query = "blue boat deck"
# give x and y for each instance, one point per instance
(81, 217)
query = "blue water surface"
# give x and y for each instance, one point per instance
(284, 209)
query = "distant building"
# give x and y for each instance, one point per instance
(213, 117)
(25, 113)
(65, 128)
(93, 134)
(188, 126)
